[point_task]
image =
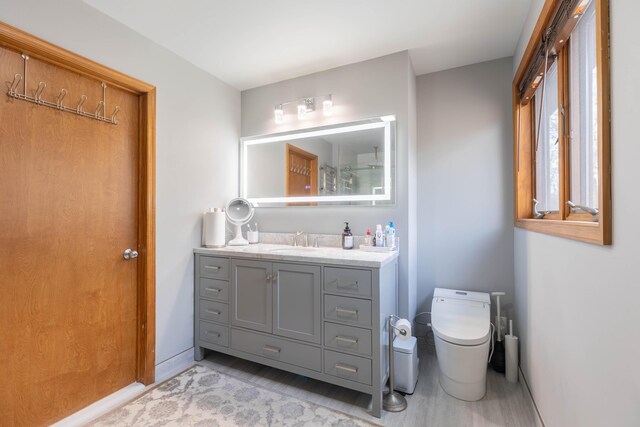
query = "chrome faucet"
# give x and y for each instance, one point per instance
(306, 238)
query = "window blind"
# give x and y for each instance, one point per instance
(562, 22)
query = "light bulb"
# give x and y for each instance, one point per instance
(279, 113)
(327, 106)
(302, 110)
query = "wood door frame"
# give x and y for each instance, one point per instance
(22, 42)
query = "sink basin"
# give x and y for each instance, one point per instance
(292, 249)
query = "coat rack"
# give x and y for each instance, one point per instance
(98, 114)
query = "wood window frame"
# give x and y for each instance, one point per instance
(565, 223)
(20, 41)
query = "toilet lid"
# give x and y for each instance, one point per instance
(459, 321)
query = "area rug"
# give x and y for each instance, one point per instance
(202, 397)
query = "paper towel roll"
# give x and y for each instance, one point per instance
(213, 228)
(403, 325)
(511, 358)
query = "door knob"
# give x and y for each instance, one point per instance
(130, 254)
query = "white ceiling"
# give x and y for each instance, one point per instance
(249, 43)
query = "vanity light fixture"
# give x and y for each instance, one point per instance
(279, 113)
(304, 106)
(327, 106)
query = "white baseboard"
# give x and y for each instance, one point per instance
(164, 371)
(175, 365)
(523, 380)
(102, 406)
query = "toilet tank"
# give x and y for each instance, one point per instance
(463, 295)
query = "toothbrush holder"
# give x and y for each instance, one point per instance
(253, 236)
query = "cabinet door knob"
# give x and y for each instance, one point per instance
(268, 278)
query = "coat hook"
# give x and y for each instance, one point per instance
(79, 106)
(100, 107)
(14, 84)
(115, 113)
(63, 93)
(38, 92)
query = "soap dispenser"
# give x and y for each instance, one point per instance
(347, 238)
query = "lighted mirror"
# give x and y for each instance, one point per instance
(348, 163)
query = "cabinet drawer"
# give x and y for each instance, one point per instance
(214, 333)
(214, 289)
(349, 367)
(298, 354)
(216, 311)
(214, 268)
(347, 281)
(348, 338)
(349, 310)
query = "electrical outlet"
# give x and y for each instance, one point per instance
(503, 326)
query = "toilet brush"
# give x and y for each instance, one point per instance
(497, 359)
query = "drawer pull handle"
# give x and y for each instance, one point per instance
(213, 289)
(346, 285)
(346, 368)
(349, 311)
(271, 349)
(214, 334)
(211, 267)
(346, 339)
(217, 313)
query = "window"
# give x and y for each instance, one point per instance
(583, 137)
(561, 132)
(546, 143)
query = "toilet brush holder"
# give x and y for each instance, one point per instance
(392, 401)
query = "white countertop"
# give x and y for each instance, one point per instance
(326, 255)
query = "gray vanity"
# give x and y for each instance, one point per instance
(316, 312)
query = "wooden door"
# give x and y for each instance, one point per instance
(296, 302)
(68, 209)
(251, 295)
(301, 172)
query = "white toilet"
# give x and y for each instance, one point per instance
(461, 329)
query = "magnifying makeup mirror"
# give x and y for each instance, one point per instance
(239, 212)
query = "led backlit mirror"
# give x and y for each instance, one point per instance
(349, 163)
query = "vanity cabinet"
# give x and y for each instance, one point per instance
(320, 316)
(278, 298)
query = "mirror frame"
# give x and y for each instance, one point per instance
(384, 122)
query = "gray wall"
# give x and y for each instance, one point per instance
(578, 304)
(198, 122)
(465, 166)
(367, 89)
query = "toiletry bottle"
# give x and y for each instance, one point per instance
(387, 235)
(367, 237)
(379, 236)
(390, 235)
(347, 238)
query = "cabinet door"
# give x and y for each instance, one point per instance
(251, 295)
(296, 302)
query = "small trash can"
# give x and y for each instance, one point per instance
(405, 358)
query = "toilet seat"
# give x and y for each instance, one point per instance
(461, 322)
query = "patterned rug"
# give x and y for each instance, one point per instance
(202, 397)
